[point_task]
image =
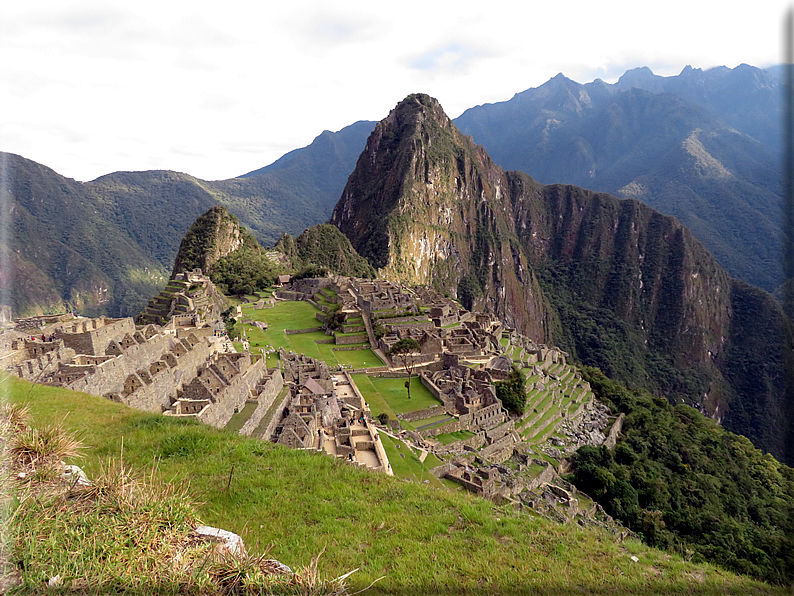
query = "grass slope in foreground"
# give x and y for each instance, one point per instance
(422, 540)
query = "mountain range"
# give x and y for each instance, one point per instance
(703, 146)
(106, 246)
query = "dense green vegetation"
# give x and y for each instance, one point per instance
(590, 330)
(513, 392)
(63, 253)
(199, 245)
(683, 482)
(324, 246)
(246, 270)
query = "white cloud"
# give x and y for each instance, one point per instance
(219, 89)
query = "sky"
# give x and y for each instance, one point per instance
(217, 89)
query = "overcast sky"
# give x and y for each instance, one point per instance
(222, 88)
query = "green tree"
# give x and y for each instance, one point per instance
(336, 317)
(404, 350)
(512, 392)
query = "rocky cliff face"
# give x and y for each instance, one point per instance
(213, 236)
(701, 146)
(427, 206)
(615, 283)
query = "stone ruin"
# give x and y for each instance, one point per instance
(327, 414)
(478, 335)
(190, 297)
(147, 367)
(381, 295)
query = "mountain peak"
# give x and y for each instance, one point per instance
(214, 235)
(637, 77)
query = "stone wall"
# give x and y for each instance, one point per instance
(289, 295)
(83, 338)
(612, 437)
(489, 415)
(154, 396)
(500, 431)
(546, 476)
(448, 427)
(443, 469)
(270, 391)
(308, 330)
(419, 325)
(500, 450)
(267, 435)
(234, 395)
(350, 339)
(390, 375)
(422, 414)
(385, 466)
(398, 320)
(472, 443)
(36, 369)
(431, 387)
(357, 371)
(110, 376)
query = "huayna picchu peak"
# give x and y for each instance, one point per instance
(613, 282)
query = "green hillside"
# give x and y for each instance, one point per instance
(419, 540)
(63, 250)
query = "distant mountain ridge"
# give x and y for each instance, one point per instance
(636, 137)
(702, 146)
(613, 282)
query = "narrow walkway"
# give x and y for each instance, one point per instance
(432, 424)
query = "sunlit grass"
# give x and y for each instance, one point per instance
(423, 540)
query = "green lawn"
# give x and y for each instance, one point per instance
(391, 396)
(433, 420)
(405, 463)
(285, 315)
(299, 315)
(240, 418)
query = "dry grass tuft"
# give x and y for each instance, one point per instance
(31, 445)
(15, 417)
